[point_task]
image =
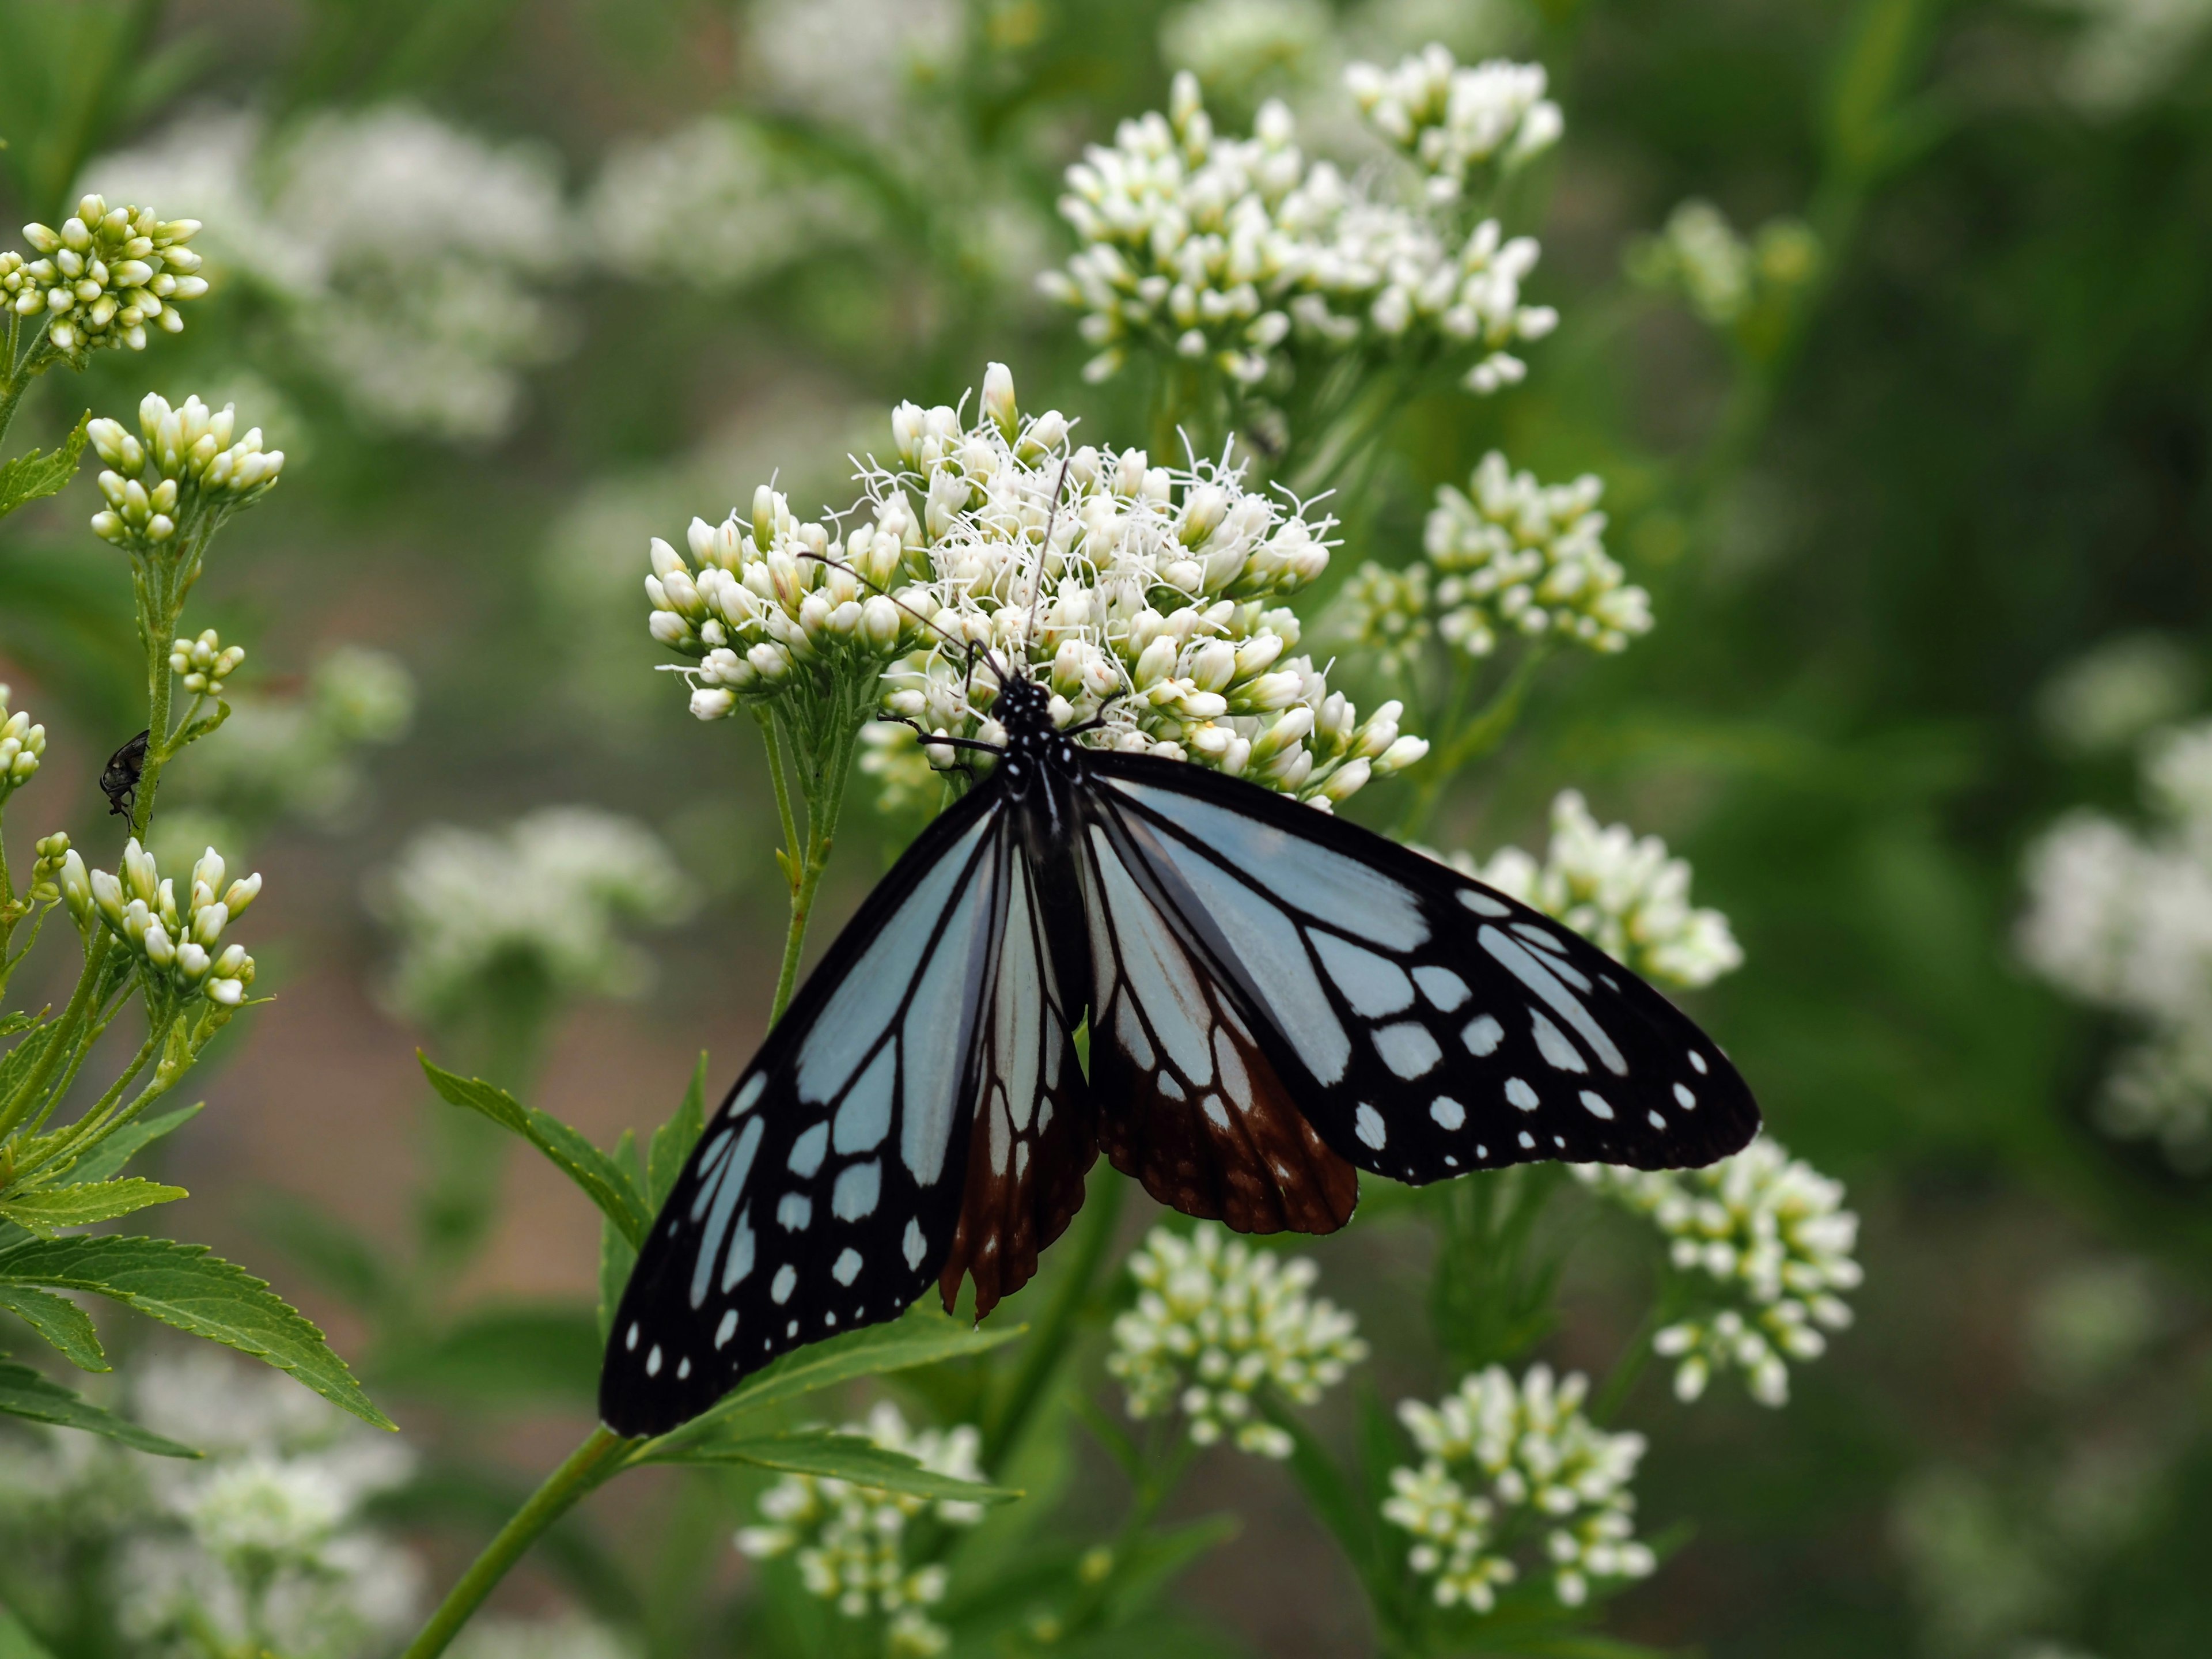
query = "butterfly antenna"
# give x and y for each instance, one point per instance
(969, 648)
(1044, 552)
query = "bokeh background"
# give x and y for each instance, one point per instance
(518, 285)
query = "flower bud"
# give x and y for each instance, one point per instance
(713, 702)
(998, 398)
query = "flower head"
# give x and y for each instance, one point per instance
(178, 945)
(546, 898)
(1770, 1235)
(849, 1541)
(1513, 555)
(1454, 119)
(186, 465)
(21, 745)
(205, 663)
(104, 276)
(1621, 892)
(1215, 1322)
(1514, 1479)
(1699, 255)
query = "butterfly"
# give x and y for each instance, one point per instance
(1277, 999)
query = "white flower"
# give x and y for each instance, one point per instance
(21, 745)
(2122, 920)
(546, 896)
(1771, 1233)
(1621, 892)
(1515, 556)
(1215, 1322)
(179, 947)
(1234, 253)
(2129, 52)
(1150, 607)
(1515, 1479)
(849, 1541)
(711, 206)
(405, 255)
(1454, 119)
(1236, 46)
(856, 63)
(299, 754)
(185, 462)
(205, 663)
(103, 277)
(1699, 255)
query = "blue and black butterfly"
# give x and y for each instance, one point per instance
(1277, 999)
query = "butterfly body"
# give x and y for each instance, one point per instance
(1276, 1000)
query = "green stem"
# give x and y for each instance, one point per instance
(1470, 741)
(63, 1038)
(94, 1124)
(581, 1472)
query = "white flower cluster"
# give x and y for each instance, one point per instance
(2120, 919)
(1454, 119)
(264, 1543)
(103, 276)
(710, 206)
(1620, 891)
(776, 605)
(849, 1541)
(181, 947)
(2126, 54)
(2112, 695)
(1233, 251)
(1516, 556)
(1237, 47)
(1508, 1466)
(1700, 254)
(1216, 1320)
(21, 745)
(546, 897)
(1772, 1232)
(405, 255)
(1157, 612)
(187, 460)
(205, 663)
(857, 62)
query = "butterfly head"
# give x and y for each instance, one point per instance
(1023, 707)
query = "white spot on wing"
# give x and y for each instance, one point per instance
(914, 1245)
(1657, 1121)
(787, 1277)
(1408, 1050)
(857, 1190)
(846, 1267)
(630, 1341)
(652, 1361)
(1234, 1078)
(1160, 975)
(741, 1251)
(728, 1328)
(683, 1368)
(1514, 957)
(1520, 1094)
(1373, 985)
(1448, 1112)
(1697, 1062)
(1595, 1104)
(1368, 1123)
(934, 1039)
(744, 1099)
(1685, 1098)
(1482, 903)
(1216, 1111)
(1551, 1044)
(795, 1212)
(726, 1190)
(1482, 1036)
(865, 1118)
(1527, 1141)
(1444, 989)
(808, 1150)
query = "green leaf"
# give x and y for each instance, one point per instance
(604, 1181)
(617, 1255)
(827, 1454)
(1152, 1562)
(674, 1141)
(1334, 1501)
(505, 1356)
(17, 1643)
(183, 1285)
(46, 1208)
(32, 475)
(106, 1161)
(24, 1393)
(924, 1337)
(60, 1321)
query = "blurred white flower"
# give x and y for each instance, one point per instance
(1238, 48)
(2114, 693)
(856, 63)
(546, 897)
(1772, 1235)
(1699, 255)
(1621, 892)
(2128, 53)
(405, 254)
(712, 206)
(1234, 251)
(849, 1542)
(2122, 920)
(102, 278)
(1455, 119)
(1514, 1479)
(1216, 1321)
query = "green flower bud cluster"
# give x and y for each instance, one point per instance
(21, 745)
(103, 276)
(205, 663)
(185, 461)
(181, 947)
(46, 873)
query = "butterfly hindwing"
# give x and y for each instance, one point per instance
(1427, 1025)
(825, 1192)
(1197, 1110)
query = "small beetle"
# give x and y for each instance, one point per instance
(119, 778)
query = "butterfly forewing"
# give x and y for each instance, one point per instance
(825, 1192)
(1426, 1024)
